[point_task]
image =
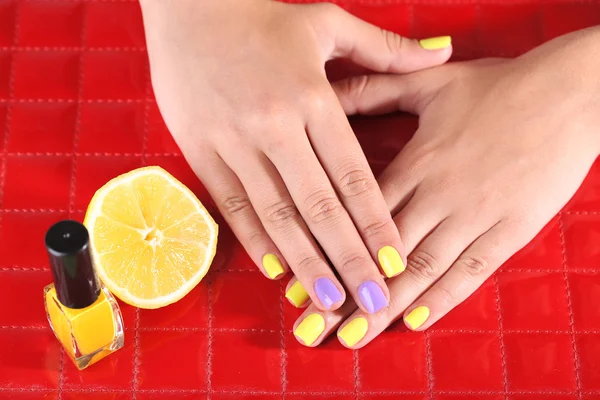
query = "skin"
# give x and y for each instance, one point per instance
(501, 147)
(242, 88)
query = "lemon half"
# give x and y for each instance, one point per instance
(152, 240)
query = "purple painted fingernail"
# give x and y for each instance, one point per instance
(372, 296)
(327, 292)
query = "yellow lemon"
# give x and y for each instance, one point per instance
(152, 240)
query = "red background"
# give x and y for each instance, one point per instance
(76, 109)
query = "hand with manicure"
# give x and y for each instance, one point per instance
(242, 87)
(502, 145)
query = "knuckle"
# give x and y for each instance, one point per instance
(474, 266)
(377, 228)
(355, 181)
(281, 213)
(354, 87)
(307, 265)
(323, 206)
(255, 238)
(352, 262)
(423, 266)
(236, 205)
(315, 97)
(446, 295)
(393, 41)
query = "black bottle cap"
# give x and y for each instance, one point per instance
(75, 280)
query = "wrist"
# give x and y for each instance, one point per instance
(570, 65)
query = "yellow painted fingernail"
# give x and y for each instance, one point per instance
(272, 265)
(310, 328)
(354, 331)
(417, 317)
(390, 261)
(436, 43)
(296, 294)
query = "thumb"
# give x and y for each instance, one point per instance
(382, 94)
(375, 48)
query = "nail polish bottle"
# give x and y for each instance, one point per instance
(83, 314)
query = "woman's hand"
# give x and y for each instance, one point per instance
(501, 147)
(242, 88)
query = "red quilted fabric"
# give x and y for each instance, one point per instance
(76, 109)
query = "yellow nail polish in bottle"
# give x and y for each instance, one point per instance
(354, 331)
(390, 261)
(83, 314)
(436, 43)
(272, 265)
(296, 294)
(310, 329)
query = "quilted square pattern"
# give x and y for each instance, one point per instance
(246, 360)
(32, 281)
(7, 22)
(93, 171)
(37, 193)
(115, 75)
(536, 301)
(114, 24)
(5, 73)
(121, 126)
(456, 359)
(46, 74)
(406, 355)
(50, 23)
(26, 226)
(538, 361)
(77, 109)
(187, 367)
(581, 237)
(39, 127)
(332, 361)
(263, 312)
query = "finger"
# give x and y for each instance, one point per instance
(314, 325)
(285, 226)
(296, 294)
(468, 273)
(329, 222)
(426, 264)
(233, 203)
(419, 217)
(399, 181)
(382, 94)
(345, 163)
(375, 48)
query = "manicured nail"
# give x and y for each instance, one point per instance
(436, 43)
(296, 294)
(354, 331)
(417, 317)
(272, 265)
(327, 292)
(372, 297)
(310, 328)
(390, 261)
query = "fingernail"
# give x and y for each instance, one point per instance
(272, 265)
(310, 328)
(372, 297)
(296, 294)
(417, 317)
(390, 261)
(436, 43)
(327, 292)
(354, 331)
